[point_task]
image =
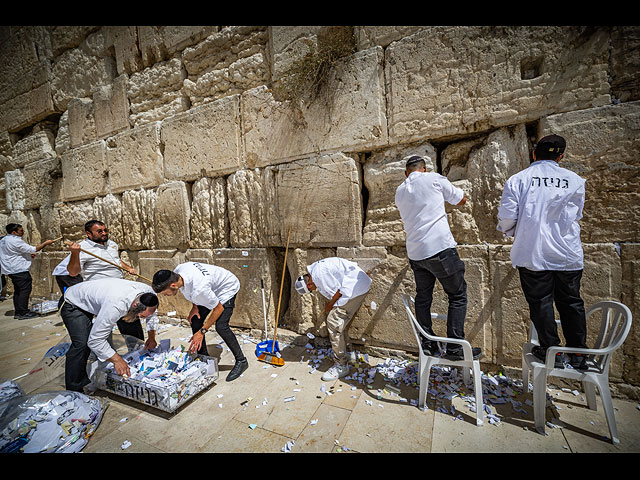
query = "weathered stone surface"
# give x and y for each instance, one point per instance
(383, 173)
(84, 172)
(155, 93)
(602, 147)
(327, 210)
(81, 121)
(111, 107)
(290, 43)
(14, 185)
(27, 108)
(172, 216)
(148, 262)
(205, 141)
(383, 35)
(134, 159)
(73, 216)
(63, 139)
(41, 181)
(158, 43)
(138, 215)
(209, 222)
(108, 209)
(447, 81)
(630, 260)
(253, 208)
(33, 148)
(625, 62)
(348, 115)
(124, 40)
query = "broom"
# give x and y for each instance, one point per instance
(270, 357)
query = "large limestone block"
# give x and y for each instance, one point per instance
(348, 115)
(14, 185)
(134, 159)
(320, 199)
(446, 81)
(124, 40)
(84, 172)
(290, 43)
(205, 141)
(27, 108)
(138, 219)
(253, 208)
(82, 122)
(157, 43)
(108, 209)
(73, 216)
(209, 222)
(630, 259)
(625, 62)
(602, 147)
(111, 107)
(41, 184)
(487, 163)
(172, 216)
(156, 92)
(76, 72)
(462, 223)
(250, 265)
(383, 173)
(372, 35)
(33, 148)
(148, 262)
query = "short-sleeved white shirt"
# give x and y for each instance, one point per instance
(207, 285)
(109, 299)
(15, 255)
(335, 273)
(546, 201)
(420, 201)
(93, 268)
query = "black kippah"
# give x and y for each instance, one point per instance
(149, 300)
(413, 159)
(161, 276)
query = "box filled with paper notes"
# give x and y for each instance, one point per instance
(163, 378)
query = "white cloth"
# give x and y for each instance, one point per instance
(93, 268)
(334, 273)
(109, 299)
(15, 255)
(207, 285)
(541, 206)
(420, 201)
(61, 268)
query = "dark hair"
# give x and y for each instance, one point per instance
(149, 299)
(162, 279)
(12, 227)
(414, 162)
(91, 223)
(550, 147)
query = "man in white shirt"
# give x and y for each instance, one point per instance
(432, 251)
(211, 290)
(110, 300)
(345, 285)
(15, 261)
(540, 207)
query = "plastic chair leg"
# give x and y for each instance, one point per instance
(590, 392)
(539, 398)
(607, 405)
(477, 381)
(525, 375)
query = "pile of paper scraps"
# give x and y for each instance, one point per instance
(49, 422)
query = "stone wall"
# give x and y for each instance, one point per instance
(177, 139)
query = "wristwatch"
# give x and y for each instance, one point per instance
(203, 331)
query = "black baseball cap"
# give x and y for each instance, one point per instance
(550, 146)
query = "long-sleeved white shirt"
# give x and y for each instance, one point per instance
(334, 273)
(420, 201)
(109, 299)
(15, 255)
(541, 206)
(207, 285)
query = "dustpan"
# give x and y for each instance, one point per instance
(267, 346)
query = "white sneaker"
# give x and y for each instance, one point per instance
(335, 372)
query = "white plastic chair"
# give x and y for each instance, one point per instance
(427, 361)
(614, 328)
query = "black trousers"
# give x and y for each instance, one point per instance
(544, 288)
(22, 284)
(222, 328)
(448, 269)
(78, 323)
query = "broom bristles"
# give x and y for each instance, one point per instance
(272, 359)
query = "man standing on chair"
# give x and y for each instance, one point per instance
(540, 208)
(432, 251)
(212, 290)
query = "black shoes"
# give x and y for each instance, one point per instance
(237, 370)
(458, 355)
(26, 316)
(578, 361)
(541, 354)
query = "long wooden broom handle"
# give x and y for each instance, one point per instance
(111, 263)
(284, 269)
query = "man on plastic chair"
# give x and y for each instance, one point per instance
(540, 207)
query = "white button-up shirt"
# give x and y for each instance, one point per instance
(93, 268)
(541, 206)
(15, 254)
(207, 285)
(335, 273)
(109, 299)
(420, 201)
